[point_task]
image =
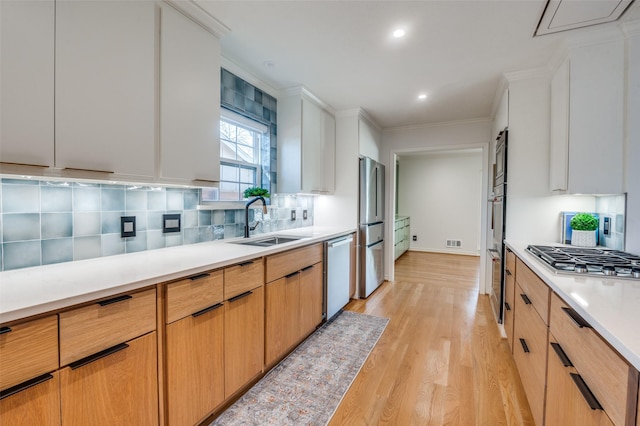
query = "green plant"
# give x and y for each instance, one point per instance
(255, 191)
(584, 222)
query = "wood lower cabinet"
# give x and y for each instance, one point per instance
(566, 401)
(311, 296)
(244, 339)
(194, 347)
(282, 319)
(509, 296)
(118, 388)
(530, 353)
(35, 405)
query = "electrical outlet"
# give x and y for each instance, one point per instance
(304, 215)
(293, 214)
(415, 238)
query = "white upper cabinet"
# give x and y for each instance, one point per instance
(306, 145)
(587, 119)
(26, 78)
(105, 89)
(189, 101)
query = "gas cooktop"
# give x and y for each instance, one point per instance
(588, 261)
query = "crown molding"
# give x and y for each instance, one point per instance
(303, 91)
(540, 72)
(369, 119)
(194, 11)
(631, 28)
(236, 69)
(503, 86)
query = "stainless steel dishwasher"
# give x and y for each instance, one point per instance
(337, 274)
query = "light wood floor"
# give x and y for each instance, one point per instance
(441, 360)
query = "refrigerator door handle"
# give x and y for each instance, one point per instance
(375, 244)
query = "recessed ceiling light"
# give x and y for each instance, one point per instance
(422, 96)
(399, 33)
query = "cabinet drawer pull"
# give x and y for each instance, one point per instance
(291, 275)
(91, 358)
(115, 300)
(586, 392)
(306, 268)
(240, 296)
(200, 276)
(525, 348)
(77, 169)
(25, 385)
(205, 310)
(4, 330)
(40, 166)
(506, 306)
(577, 319)
(526, 299)
(508, 272)
(563, 357)
(250, 262)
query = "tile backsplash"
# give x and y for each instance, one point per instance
(44, 222)
(614, 208)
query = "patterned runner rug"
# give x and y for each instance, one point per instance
(308, 385)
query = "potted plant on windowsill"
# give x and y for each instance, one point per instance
(583, 230)
(255, 191)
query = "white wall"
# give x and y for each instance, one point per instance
(445, 136)
(533, 212)
(369, 137)
(632, 147)
(441, 191)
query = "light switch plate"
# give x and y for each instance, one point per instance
(170, 223)
(293, 214)
(127, 226)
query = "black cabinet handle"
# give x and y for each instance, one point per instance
(205, 310)
(240, 296)
(91, 358)
(586, 392)
(291, 275)
(200, 276)
(526, 299)
(577, 319)
(115, 300)
(306, 268)
(250, 262)
(525, 348)
(4, 330)
(508, 272)
(506, 306)
(25, 385)
(563, 357)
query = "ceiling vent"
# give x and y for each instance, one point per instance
(563, 15)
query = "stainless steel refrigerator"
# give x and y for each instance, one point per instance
(371, 226)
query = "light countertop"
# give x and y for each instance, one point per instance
(610, 305)
(33, 291)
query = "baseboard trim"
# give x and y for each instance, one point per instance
(462, 252)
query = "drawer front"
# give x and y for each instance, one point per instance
(188, 296)
(28, 350)
(90, 329)
(606, 374)
(531, 331)
(36, 405)
(282, 264)
(243, 277)
(511, 262)
(534, 289)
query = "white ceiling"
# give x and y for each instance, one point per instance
(455, 51)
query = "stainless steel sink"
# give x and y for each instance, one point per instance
(269, 241)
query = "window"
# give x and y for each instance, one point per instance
(240, 140)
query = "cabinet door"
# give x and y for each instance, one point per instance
(26, 78)
(195, 366)
(244, 339)
(36, 405)
(105, 86)
(318, 142)
(189, 100)
(509, 305)
(559, 131)
(530, 354)
(311, 299)
(282, 316)
(566, 404)
(117, 389)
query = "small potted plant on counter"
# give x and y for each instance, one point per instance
(255, 191)
(583, 230)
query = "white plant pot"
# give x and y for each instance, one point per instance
(583, 238)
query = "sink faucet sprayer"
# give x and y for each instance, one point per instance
(246, 214)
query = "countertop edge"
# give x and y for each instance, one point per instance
(632, 357)
(80, 270)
